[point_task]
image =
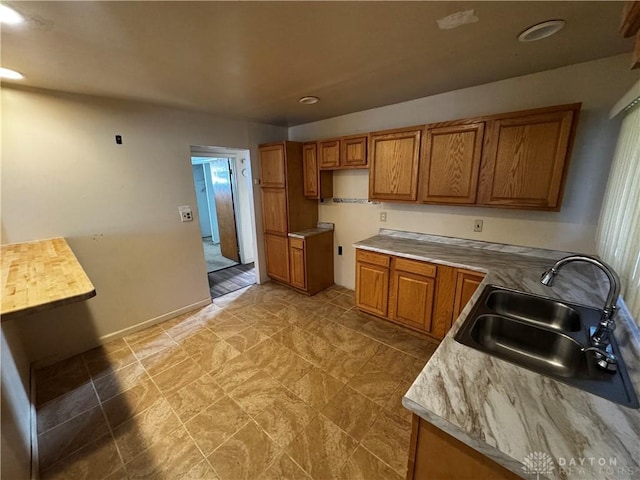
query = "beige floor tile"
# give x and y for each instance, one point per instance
(200, 471)
(379, 330)
(353, 319)
(195, 397)
(235, 372)
(58, 379)
(246, 339)
(245, 455)
(172, 457)
(178, 376)
(67, 406)
(264, 352)
(345, 301)
(97, 460)
(287, 367)
(61, 441)
(284, 468)
(388, 439)
(376, 384)
(217, 316)
(120, 381)
(100, 362)
(270, 324)
(413, 345)
(317, 388)
(152, 345)
(213, 426)
(257, 393)
(322, 448)
(310, 347)
(342, 365)
(128, 404)
(145, 429)
(214, 355)
(199, 341)
(183, 329)
(285, 418)
(352, 412)
(164, 359)
(144, 335)
(331, 311)
(394, 405)
(365, 466)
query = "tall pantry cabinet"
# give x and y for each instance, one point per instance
(284, 206)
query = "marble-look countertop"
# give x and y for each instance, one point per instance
(507, 412)
(40, 275)
(310, 232)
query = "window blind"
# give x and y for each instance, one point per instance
(618, 235)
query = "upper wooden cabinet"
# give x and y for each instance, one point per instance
(353, 151)
(272, 166)
(393, 168)
(450, 163)
(274, 211)
(329, 151)
(317, 184)
(525, 161)
(343, 153)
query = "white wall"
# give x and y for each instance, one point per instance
(243, 184)
(63, 175)
(597, 84)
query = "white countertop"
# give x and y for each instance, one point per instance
(507, 412)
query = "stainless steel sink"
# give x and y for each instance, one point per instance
(545, 336)
(543, 311)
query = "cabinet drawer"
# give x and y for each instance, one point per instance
(296, 242)
(413, 266)
(372, 257)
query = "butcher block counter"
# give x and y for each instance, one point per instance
(41, 275)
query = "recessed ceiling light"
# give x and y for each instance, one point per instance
(10, 74)
(9, 16)
(310, 100)
(541, 30)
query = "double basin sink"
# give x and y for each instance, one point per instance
(546, 336)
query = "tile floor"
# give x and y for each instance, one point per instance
(265, 383)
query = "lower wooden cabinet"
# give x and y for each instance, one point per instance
(436, 455)
(418, 295)
(297, 263)
(311, 262)
(277, 253)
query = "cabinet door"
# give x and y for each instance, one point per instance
(310, 170)
(525, 160)
(467, 282)
(393, 168)
(354, 151)
(277, 253)
(372, 288)
(412, 299)
(451, 163)
(329, 152)
(274, 210)
(272, 166)
(297, 259)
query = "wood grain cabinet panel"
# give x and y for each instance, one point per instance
(317, 183)
(393, 167)
(353, 151)
(451, 163)
(372, 288)
(274, 210)
(297, 264)
(411, 299)
(525, 160)
(329, 152)
(277, 256)
(436, 455)
(467, 282)
(272, 166)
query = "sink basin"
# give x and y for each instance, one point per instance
(543, 311)
(545, 351)
(545, 336)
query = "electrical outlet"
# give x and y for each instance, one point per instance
(477, 225)
(339, 249)
(383, 216)
(185, 213)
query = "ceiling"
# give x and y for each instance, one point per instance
(254, 60)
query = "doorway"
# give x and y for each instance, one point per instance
(222, 180)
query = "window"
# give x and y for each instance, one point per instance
(618, 237)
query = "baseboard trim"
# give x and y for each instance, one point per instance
(121, 333)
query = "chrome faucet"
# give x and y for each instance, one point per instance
(601, 338)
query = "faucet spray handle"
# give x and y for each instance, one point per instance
(605, 360)
(547, 276)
